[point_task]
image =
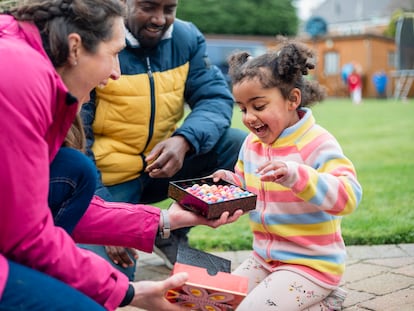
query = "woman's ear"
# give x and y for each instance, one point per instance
(74, 44)
(295, 98)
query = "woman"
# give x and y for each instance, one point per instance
(53, 52)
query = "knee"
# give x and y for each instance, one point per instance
(85, 167)
(78, 165)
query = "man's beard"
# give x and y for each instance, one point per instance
(148, 43)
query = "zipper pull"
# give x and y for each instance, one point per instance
(149, 72)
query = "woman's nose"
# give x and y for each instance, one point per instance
(116, 70)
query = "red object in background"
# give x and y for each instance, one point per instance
(354, 81)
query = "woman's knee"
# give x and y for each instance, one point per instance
(74, 165)
(72, 185)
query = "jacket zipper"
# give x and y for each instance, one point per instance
(152, 102)
(268, 248)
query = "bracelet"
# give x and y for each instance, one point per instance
(128, 296)
(165, 231)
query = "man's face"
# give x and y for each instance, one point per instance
(148, 20)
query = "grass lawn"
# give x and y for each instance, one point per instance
(378, 136)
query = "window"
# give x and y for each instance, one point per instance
(219, 50)
(392, 62)
(331, 61)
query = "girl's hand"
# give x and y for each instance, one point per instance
(219, 175)
(273, 171)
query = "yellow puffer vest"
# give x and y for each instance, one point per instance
(129, 122)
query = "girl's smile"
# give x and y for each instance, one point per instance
(266, 113)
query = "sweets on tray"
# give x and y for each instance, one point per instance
(217, 193)
(209, 198)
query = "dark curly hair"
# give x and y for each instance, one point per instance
(56, 19)
(283, 68)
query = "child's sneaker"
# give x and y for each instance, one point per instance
(335, 299)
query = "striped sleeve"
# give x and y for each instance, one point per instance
(326, 179)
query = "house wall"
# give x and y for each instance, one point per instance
(370, 53)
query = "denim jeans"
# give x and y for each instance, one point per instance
(72, 185)
(28, 289)
(146, 190)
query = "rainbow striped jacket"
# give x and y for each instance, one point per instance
(297, 223)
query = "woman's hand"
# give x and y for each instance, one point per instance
(150, 295)
(181, 218)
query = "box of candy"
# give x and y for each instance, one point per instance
(209, 198)
(210, 285)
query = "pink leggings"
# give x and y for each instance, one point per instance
(282, 290)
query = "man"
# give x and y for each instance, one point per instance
(131, 123)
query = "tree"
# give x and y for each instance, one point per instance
(245, 17)
(392, 26)
(6, 4)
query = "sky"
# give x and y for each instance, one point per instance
(305, 7)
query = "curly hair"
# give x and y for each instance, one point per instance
(56, 19)
(283, 68)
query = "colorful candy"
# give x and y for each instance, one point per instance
(217, 193)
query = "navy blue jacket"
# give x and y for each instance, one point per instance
(128, 117)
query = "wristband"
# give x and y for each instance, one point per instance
(165, 231)
(128, 296)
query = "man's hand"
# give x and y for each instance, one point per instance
(167, 157)
(122, 256)
(150, 295)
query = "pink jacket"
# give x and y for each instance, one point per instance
(37, 111)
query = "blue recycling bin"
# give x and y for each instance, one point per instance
(380, 80)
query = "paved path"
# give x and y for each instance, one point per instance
(379, 278)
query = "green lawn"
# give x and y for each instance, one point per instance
(378, 136)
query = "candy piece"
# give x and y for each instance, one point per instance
(217, 193)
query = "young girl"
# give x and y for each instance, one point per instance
(303, 181)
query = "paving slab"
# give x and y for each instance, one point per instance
(362, 271)
(382, 284)
(377, 278)
(402, 300)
